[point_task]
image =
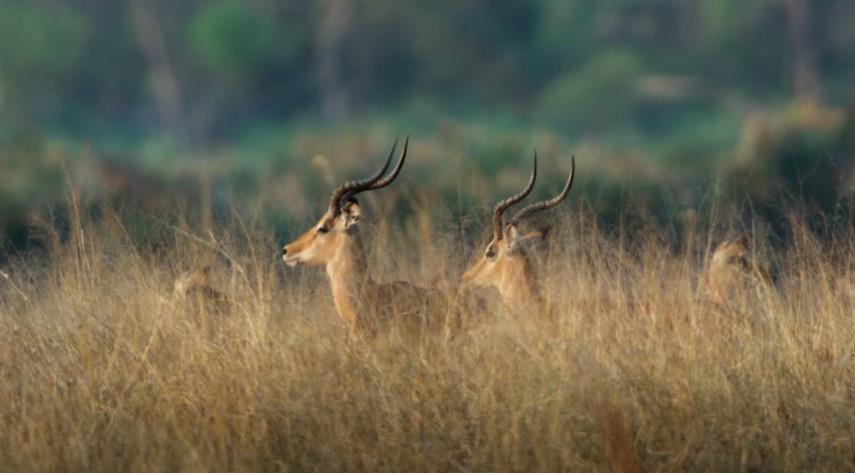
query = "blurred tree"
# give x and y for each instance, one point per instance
(233, 40)
(244, 51)
(164, 84)
(743, 47)
(805, 73)
(39, 47)
(335, 20)
(568, 33)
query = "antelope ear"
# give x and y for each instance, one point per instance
(518, 241)
(531, 238)
(512, 232)
(537, 235)
(351, 213)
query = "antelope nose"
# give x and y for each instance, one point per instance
(284, 251)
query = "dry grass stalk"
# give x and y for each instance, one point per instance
(95, 377)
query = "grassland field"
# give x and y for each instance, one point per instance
(101, 369)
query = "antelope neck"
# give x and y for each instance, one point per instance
(519, 290)
(348, 274)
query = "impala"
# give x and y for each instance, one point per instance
(504, 263)
(194, 287)
(335, 242)
(730, 271)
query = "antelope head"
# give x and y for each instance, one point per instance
(732, 252)
(504, 263)
(321, 242)
(731, 270)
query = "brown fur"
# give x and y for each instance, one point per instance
(845, 287)
(193, 287)
(504, 263)
(509, 269)
(731, 272)
(363, 304)
(511, 273)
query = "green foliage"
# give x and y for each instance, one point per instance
(726, 20)
(748, 43)
(232, 39)
(565, 28)
(241, 64)
(38, 46)
(700, 138)
(598, 95)
(582, 68)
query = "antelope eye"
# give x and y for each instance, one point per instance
(323, 229)
(491, 253)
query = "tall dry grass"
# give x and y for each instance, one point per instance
(102, 370)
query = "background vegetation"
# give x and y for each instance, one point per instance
(665, 103)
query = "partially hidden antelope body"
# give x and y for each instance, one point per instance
(731, 273)
(196, 285)
(335, 242)
(504, 263)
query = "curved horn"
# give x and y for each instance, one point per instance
(355, 187)
(395, 171)
(545, 204)
(503, 205)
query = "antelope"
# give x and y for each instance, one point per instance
(730, 271)
(335, 242)
(845, 287)
(505, 264)
(194, 287)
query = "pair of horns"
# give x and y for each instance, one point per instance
(349, 189)
(502, 206)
